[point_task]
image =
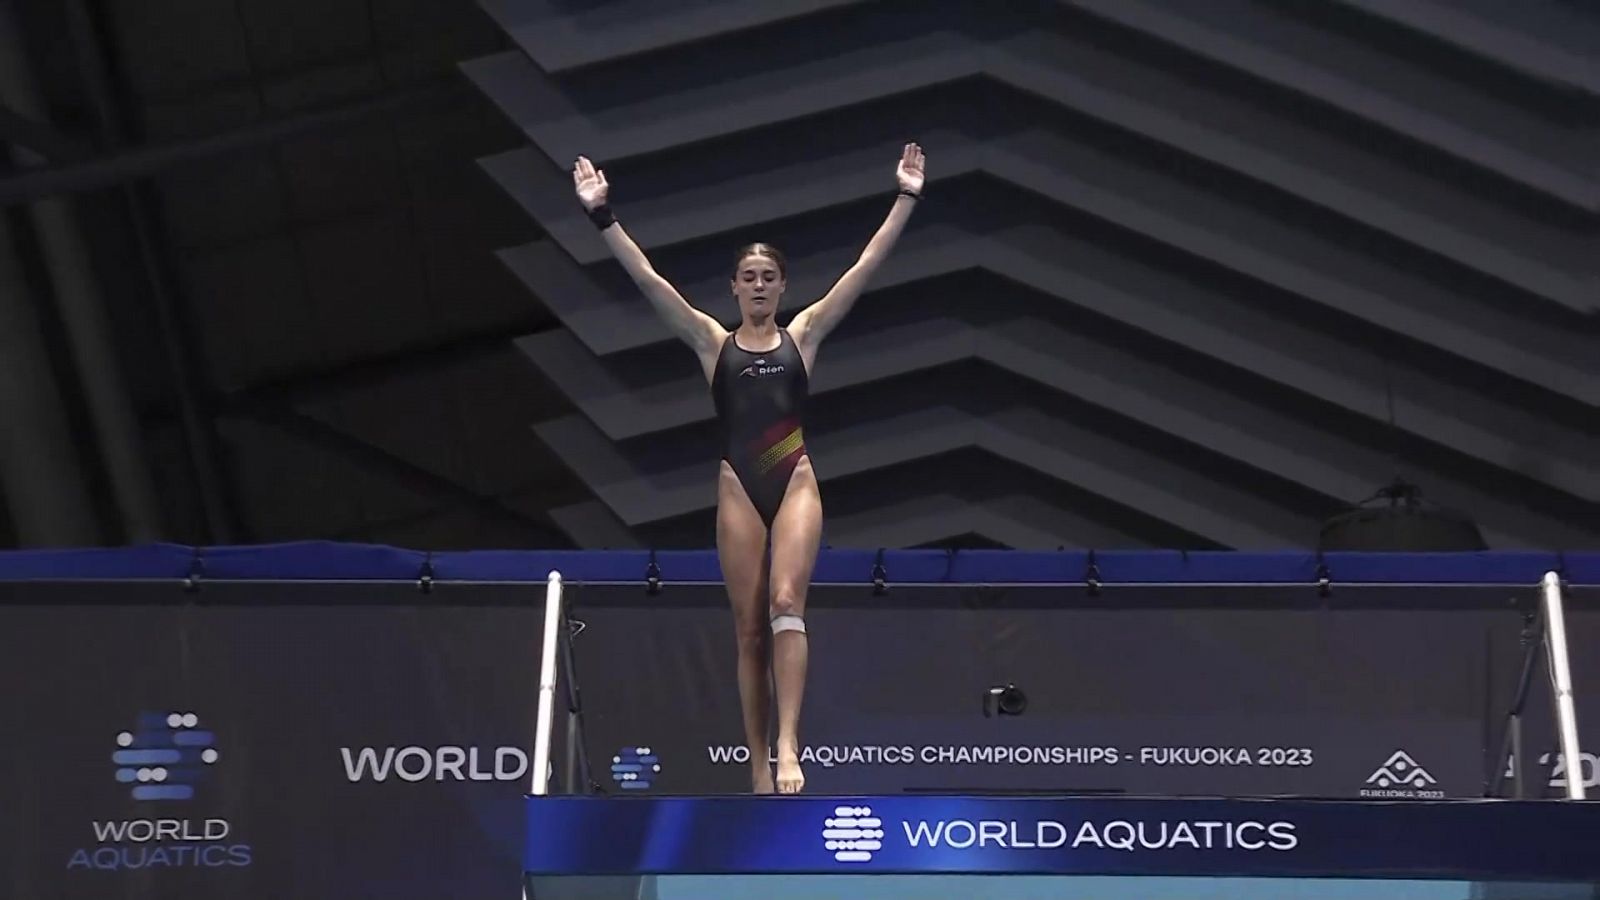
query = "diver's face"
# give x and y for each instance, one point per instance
(757, 285)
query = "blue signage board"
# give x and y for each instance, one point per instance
(998, 835)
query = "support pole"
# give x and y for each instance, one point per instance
(1561, 684)
(547, 686)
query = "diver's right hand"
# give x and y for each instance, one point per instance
(590, 183)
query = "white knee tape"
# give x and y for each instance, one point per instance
(788, 623)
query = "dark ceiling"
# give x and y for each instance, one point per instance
(324, 237)
(1190, 275)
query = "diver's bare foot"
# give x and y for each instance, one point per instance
(790, 778)
(761, 778)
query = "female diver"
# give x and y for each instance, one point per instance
(769, 509)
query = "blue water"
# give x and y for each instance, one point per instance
(969, 887)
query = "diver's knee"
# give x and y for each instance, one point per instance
(787, 600)
(751, 636)
(787, 610)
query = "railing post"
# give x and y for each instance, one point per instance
(547, 686)
(1561, 684)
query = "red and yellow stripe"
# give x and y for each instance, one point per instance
(777, 444)
(786, 445)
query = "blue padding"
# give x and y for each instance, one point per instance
(526, 565)
(1582, 568)
(575, 565)
(1171, 566)
(951, 567)
(1000, 566)
(324, 560)
(312, 560)
(149, 561)
(1482, 568)
(844, 566)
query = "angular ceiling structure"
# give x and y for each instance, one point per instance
(1186, 275)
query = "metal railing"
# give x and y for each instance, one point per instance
(1561, 683)
(554, 616)
(1548, 617)
(1544, 626)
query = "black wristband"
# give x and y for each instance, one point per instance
(602, 216)
(912, 194)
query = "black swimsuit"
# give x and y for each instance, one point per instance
(760, 400)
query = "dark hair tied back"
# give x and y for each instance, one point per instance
(767, 250)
